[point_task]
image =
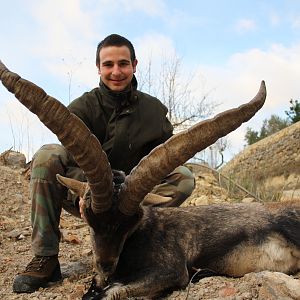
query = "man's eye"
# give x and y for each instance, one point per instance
(124, 63)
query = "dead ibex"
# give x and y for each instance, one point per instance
(143, 251)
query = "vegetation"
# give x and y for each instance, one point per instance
(294, 112)
(274, 124)
(270, 126)
(166, 80)
(186, 105)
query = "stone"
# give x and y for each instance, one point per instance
(13, 158)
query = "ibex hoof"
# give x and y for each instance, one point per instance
(94, 292)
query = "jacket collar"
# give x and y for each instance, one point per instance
(119, 99)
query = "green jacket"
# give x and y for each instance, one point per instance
(128, 124)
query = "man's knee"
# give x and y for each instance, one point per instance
(186, 181)
(173, 190)
(49, 152)
(49, 160)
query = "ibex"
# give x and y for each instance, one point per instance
(146, 251)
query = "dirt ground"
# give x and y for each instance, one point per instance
(75, 251)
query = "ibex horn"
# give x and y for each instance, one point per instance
(181, 147)
(72, 133)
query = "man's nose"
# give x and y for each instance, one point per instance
(116, 70)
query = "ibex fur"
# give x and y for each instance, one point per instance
(143, 251)
(165, 246)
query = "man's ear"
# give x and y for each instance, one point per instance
(134, 64)
(99, 72)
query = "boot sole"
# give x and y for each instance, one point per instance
(30, 284)
(29, 287)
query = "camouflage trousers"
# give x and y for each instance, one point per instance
(49, 197)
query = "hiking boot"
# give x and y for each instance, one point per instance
(41, 271)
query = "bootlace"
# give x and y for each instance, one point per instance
(37, 263)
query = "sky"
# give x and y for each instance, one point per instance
(226, 48)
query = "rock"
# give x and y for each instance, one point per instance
(15, 233)
(274, 285)
(73, 270)
(13, 158)
(228, 290)
(261, 286)
(202, 200)
(248, 200)
(87, 252)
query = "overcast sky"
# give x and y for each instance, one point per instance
(228, 46)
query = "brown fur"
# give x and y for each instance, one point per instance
(164, 245)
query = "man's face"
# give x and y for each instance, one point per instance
(116, 69)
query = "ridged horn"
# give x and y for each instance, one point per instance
(76, 186)
(179, 148)
(72, 133)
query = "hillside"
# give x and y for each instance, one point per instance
(270, 166)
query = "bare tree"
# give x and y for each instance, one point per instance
(185, 105)
(71, 65)
(174, 89)
(214, 154)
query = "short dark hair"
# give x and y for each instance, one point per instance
(118, 41)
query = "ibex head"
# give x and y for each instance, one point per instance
(114, 213)
(109, 229)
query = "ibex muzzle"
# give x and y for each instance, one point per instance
(150, 250)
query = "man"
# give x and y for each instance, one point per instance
(128, 124)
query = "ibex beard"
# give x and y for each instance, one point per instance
(142, 251)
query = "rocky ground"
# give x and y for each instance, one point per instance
(75, 254)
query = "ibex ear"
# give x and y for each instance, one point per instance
(75, 186)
